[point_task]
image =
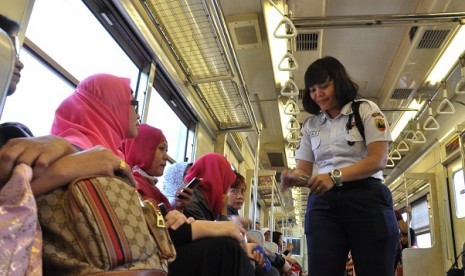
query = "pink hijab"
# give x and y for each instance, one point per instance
(217, 176)
(97, 113)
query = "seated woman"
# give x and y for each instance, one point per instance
(217, 176)
(101, 112)
(147, 154)
(235, 202)
(174, 180)
(278, 239)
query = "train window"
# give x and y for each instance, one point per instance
(459, 193)
(179, 137)
(296, 245)
(76, 40)
(40, 90)
(420, 222)
(73, 44)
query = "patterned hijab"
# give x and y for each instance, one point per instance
(174, 178)
(140, 151)
(97, 113)
(217, 176)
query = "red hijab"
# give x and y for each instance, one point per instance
(97, 113)
(139, 153)
(217, 176)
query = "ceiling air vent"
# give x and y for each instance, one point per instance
(401, 93)
(276, 159)
(245, 31)
(307, 41)
(433, 39)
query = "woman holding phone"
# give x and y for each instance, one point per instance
(210, 196)
(147, 155)
(173, 179)
(201, 246)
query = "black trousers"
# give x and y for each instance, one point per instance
(359, 217)
(211, 256)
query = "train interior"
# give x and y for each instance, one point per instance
(237, 69)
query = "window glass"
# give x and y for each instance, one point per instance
(420, 216)
(37, 95)
(424, 240)
(76, 40)
(296, 245)
(161, 116)
(459, 193)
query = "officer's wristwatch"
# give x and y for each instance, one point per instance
(335, 176)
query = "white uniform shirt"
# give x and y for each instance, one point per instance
(325, 141)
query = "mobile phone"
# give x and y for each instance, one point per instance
(162, 208)
(265, 258)
(192, 184)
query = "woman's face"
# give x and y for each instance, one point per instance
(186, 171)
(159, 160)
(236, 197)
(133, 119)
(267, 236)
(324, 96)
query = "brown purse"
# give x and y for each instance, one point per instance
(101, 224)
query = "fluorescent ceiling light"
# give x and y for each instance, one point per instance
(278, 46)
(404, 119)
(448, 57)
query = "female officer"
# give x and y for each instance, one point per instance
(349, 207)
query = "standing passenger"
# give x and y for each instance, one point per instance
(349, 207)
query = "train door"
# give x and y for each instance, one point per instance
(456, 190)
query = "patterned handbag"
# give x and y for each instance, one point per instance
(99, 224)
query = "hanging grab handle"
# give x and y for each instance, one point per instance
(445, 106)
(292, 64)
(418, 137)
(460, 86)
(290, 89)
(430, 123)
(402, 146)
(290, 30)
(395, 155)
(291, 107)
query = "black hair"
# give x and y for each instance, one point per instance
(413, 236)
(8, 26)
(239, 180)
(276, 236)
(322, 70)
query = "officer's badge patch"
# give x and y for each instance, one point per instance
(380, 124)
(377, 114)
(314, 133)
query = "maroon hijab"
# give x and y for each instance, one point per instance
(139, 153)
